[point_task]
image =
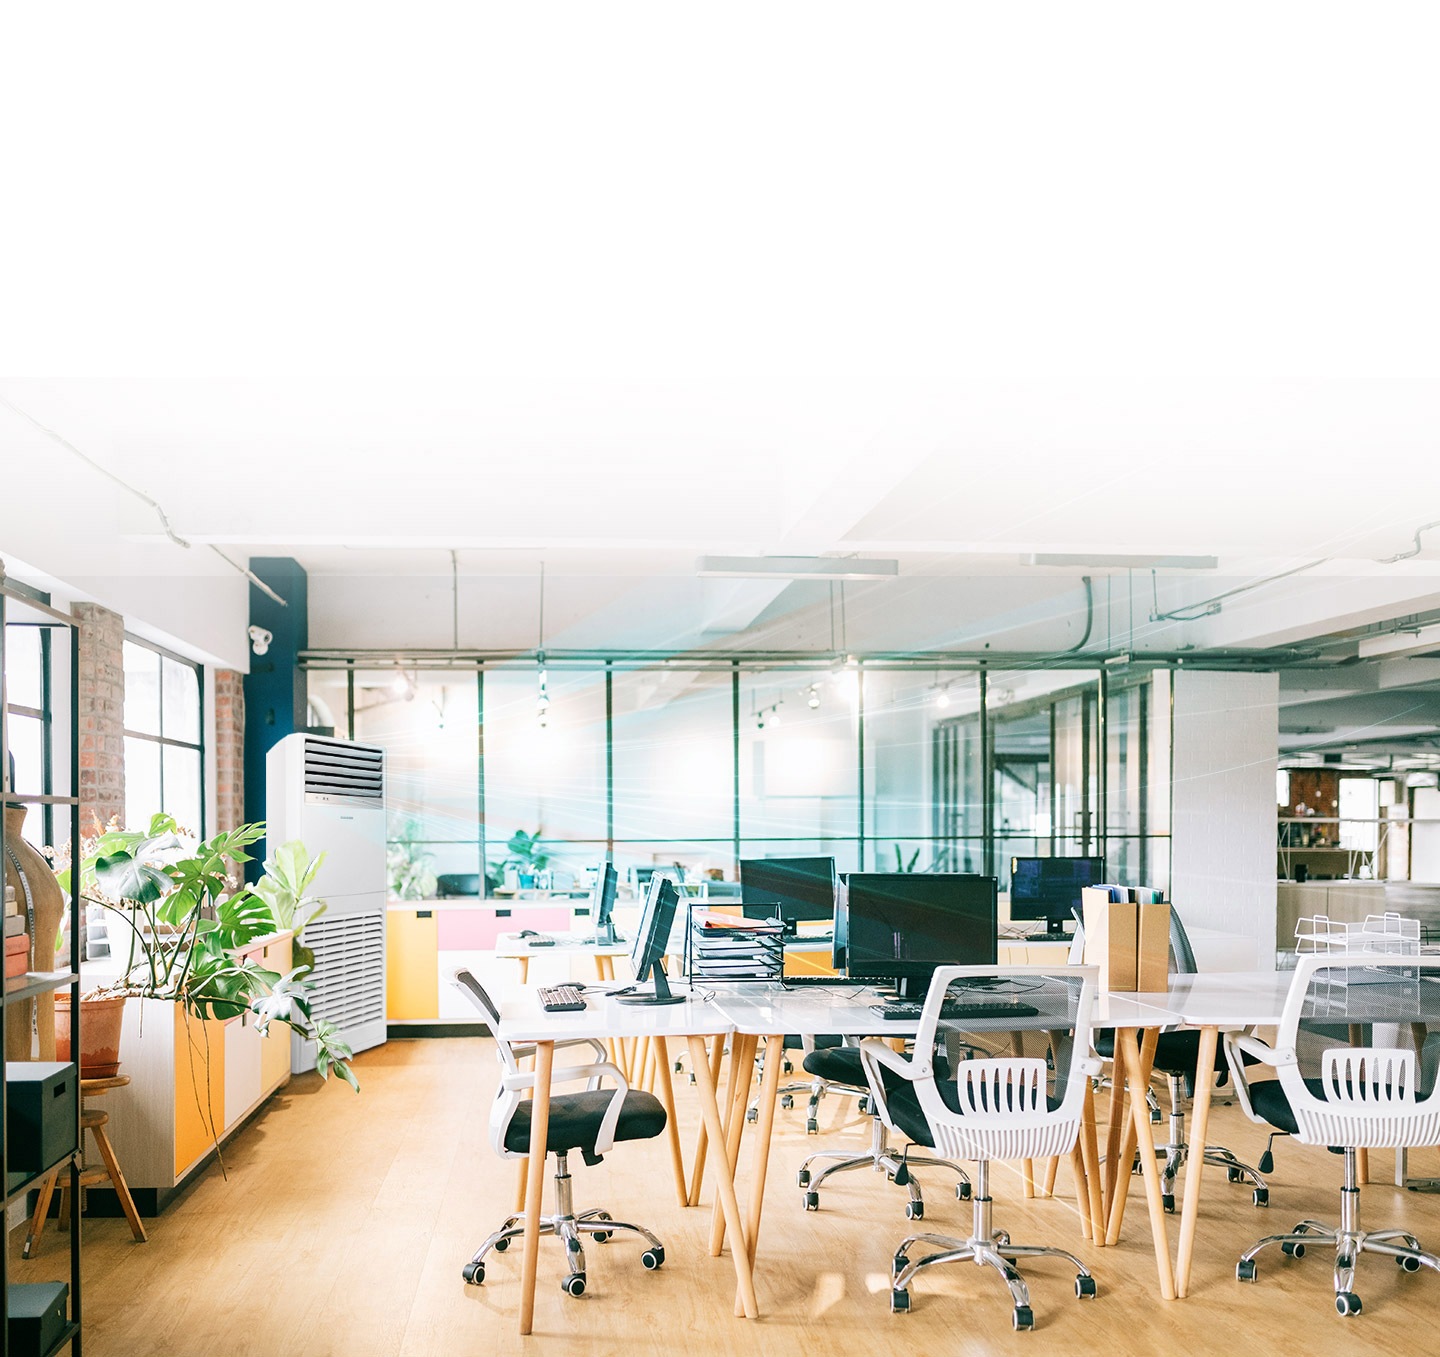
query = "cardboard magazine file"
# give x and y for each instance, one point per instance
(1152, 952)
(1111, 936)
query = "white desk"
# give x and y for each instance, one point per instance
(523, 1020)
(513, 946)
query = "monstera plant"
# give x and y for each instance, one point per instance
(184, 921)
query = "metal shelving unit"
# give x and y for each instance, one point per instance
(17, 609)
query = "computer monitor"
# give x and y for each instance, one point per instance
(801, 889)
(603, 904)
(1049, 889)
(901, 926)
(656, 920)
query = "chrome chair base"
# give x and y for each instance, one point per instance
(882, 1158)
(986, 1247)
(567, 1227)
(1349, 1241)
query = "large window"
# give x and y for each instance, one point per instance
(164, 745)
(883, 767)
(28, 722)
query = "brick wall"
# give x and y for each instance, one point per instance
(102, 715)
(229, 750)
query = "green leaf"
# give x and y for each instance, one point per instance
(123, 877)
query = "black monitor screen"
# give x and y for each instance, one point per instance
(1049, 888)
(803, 889)
(656, 920)
(902, 925)
(604, 899)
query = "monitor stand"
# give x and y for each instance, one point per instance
(606, 936)
(662, 993)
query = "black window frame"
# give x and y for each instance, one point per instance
(162, 739)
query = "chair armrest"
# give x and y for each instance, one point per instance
(1237, 1046)
(874, 1053)
(568, 1074)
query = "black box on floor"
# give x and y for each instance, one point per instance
(37, 1316)
(41, 1111)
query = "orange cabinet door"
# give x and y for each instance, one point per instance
(199, 1086)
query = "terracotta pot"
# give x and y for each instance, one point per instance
(100, 1021)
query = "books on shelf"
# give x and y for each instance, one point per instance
(12, 905)
(14, 923)
(722, 947)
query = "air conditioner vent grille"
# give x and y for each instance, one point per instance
(339, 770)
(349, 976)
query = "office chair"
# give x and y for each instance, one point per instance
(590, 1122)
(1358, 1095)
(1177, 1055)
(841, 1068)
(999, 1108)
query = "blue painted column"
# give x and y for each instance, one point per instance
(275, 696)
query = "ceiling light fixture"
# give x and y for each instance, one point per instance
(812, 696)
(542, 701)
(260, 639)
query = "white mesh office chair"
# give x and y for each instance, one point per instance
(1000, 1108)
(590, 1122)
(1331, 1091)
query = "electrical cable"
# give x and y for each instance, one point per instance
(148, 500)
(1416, 549)
(1210, 606)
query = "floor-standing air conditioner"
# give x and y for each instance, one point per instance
(330, 794)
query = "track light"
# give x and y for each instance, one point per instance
(812, 697)
(260, 639)
(942, 697)
(542, 701)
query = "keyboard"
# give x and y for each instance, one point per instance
(955, 1010)
(539, 940)
(561, 999)
(832, 980)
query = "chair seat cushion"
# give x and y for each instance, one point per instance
(907, 1114)
(1175, 1052)
(841, 1065)
(1271, 1102)
(575, 1120)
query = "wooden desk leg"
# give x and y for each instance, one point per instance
(697, 1174)
(1138, 1061)
(1194, 1165)
(725, 1179)
(605, 970)
(1116, 1127)
(1362, 1155)
(769, 1090)
(1052, 1170)
(742, 1065)
(1128, 1141)
(1082, 1186)
(524, 969)
(672, 1126)
(1027, 1176)
(539, 1132)
(1090, 1158)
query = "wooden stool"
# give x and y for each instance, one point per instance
(94, 1121)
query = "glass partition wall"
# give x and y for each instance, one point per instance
(497, 779)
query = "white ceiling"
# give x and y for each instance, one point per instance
(614, 288)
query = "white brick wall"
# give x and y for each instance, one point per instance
(1223, 854)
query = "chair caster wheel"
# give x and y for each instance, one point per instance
(1347, 1303)
(1344, 1263)
(1293, 1250)
(653, 1258)
(812, 1127)
(786, 1067)
(802, 1179)
(1167, 1200)
(864, 1107)
(914, 1210)
(501, 1245)
(1408, 1264)
(1233, 1175)
(601, 1236)
(573, 1285)
(1245, 1270)
(1267, 1163)
(474, 1273)
(752, 1115)
(679, 1067)
(1155, 1115)
(1022, 1317)
(1084, 1287)
(962, 1189)
(812, 1201)
(899, 1302)
(786, 1101)
(1002, 1238)
(898, 1264)
(1261, 1196)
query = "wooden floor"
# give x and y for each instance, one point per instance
(345, 1222)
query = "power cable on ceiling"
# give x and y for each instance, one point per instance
(1416, 549)
(1208, 607)
(148, 500)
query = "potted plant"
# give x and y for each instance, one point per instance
(408, 865)
(181, 919)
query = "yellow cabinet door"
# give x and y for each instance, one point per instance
(199, 1086)
(412, 965)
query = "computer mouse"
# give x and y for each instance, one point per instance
(527, 933)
